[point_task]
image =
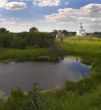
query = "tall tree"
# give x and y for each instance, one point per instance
(33, 29)
(66, 32)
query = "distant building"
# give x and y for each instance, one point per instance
(81, 31)
(60, 34)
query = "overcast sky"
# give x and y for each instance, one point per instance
(47, 15)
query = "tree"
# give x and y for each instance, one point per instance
(3, 30)
(18, 42)
(55, 32)
(66, 32)
(33, 29)
(5, 40)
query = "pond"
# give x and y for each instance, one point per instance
(48, 75)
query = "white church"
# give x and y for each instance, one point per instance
(81, 31)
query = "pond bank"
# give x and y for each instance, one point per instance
(30, 54)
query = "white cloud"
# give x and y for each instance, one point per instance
(5, 21)
(89, 15)
(12, 5)
(2, 3)
(15, 5)
(43, 3)
(19, 26)
(8, 22)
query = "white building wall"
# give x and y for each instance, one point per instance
(81, 32)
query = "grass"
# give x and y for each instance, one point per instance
(29, 54)
(81, 47)
(90, 101)
(20, 55)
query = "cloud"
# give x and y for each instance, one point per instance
(15, 5)
(12, 5)
(17, 26)
(2, 3)
(4, 22)
(43, 3)
(89, 15)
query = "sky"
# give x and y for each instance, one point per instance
(47, 15)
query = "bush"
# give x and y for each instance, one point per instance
(25, 39)
(81, 87)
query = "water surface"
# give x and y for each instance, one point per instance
(47, 75)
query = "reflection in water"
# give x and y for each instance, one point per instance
(46, 74)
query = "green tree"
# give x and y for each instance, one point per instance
(55, 32)
(18, 42)
(5, 40)
(33, 29)
(66, 32)
(3, 30)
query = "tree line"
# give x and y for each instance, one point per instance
(25, 39)
(65, 32)
(97, 34)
